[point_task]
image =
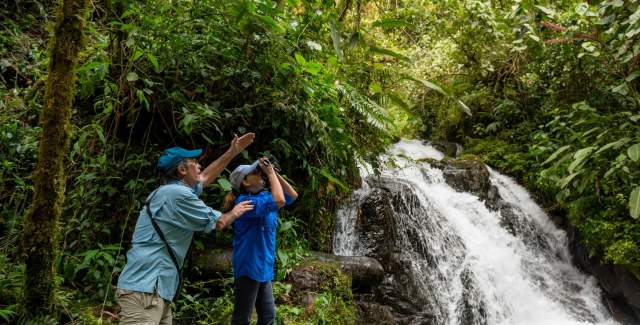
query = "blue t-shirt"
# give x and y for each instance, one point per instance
(254, 244)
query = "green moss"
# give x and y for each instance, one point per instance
(39, 236)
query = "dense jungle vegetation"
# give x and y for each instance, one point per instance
(545, 91)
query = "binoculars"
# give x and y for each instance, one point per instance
(267, 162)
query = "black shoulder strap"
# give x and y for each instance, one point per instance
(172, 254)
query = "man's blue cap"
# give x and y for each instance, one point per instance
(238, 174)
(172, 156)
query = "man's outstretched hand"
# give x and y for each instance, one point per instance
(240, 143)
(229, 217)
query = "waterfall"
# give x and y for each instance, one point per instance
(450, 255)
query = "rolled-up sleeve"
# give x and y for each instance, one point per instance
(193, 214)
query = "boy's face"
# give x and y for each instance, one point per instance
(254, 182)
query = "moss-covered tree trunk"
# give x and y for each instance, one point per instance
(39, 234)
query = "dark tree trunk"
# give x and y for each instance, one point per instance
(39, 234)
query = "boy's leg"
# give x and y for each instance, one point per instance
(245, 293)
(265, 305)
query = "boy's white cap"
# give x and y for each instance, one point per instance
(238, 174)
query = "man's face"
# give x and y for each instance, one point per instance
(190, 171)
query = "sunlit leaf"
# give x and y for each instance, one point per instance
(579, 157)
(556, 154)
(389, 52)
(634, 203)
(132, 76)
(634, 152)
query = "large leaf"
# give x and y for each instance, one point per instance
(433, 86)
(389, 52)
(614, 144)
(464, 107)
(271, 23)
(565, 181)
(579, 158)
(634, 152)
(225, 185)
(333, 179)
(634, 203)
(556, 154)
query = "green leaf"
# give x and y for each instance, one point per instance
(464, 107)
(395, 98)
(634, 152)
(565, 181)
(154, 62)
(431, 85)
(634, 203)
(547, 11)
(389, 52)
(224, 184)
(332, 179)
(271, 23)
(622, 89)
(375, 88)
(313, 67)
(556, 154)
(579, 157)
(132, 76)
(632, 76)
(389, 23)
(614, 144)
(137, 54)
(300, 59)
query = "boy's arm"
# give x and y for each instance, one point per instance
(276, 188)
(287, 188)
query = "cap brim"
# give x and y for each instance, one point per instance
(192, 153)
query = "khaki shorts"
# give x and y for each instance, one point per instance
(143, 308)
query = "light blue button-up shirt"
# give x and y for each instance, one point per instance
(179, 212)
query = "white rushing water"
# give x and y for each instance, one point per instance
(507, 267)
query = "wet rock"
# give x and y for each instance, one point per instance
(374, 313)
(621, 289)
(467, 176)
(450, 149)
(374, 219)
(472, 310)
(318, 274)
(365, 272)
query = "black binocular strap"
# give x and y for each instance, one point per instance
(172, 254)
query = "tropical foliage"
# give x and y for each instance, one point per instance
(546, 91)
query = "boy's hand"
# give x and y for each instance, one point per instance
(266, 166)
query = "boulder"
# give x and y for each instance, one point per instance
(467, 176)
(374, 223)
(365, 272)
(621, 289)
(450, 149)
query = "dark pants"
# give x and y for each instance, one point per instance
(249, 293)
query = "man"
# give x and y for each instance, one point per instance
(150, 278)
